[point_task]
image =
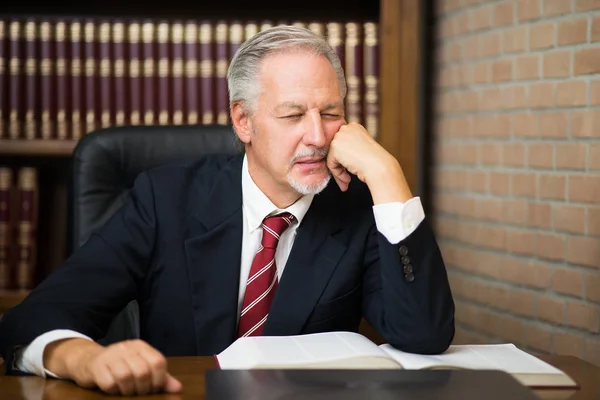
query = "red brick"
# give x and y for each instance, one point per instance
(514, 97)
(585, 124)
(499, 183)
(513, 154)
(541, 95)
(489, 209)
(569, 218)
(503, 14)
(583, 316)
(461, 23)
(571, 93)
(588, 5)
(568, 344)
(541, 155)
(596, 29)
(528, 10)
(592, 350)
(556, 7)
(514, 212)
(502, 70)
(550, 246)
(490, 45)
(572, 31)
(584, 251)
(593, 219)
(468, 154)
(554, 125)
(594, 157)
(524, 184)
(490, 153)
(515, 39)
(490, 99)
(571, 155)
(584, 188)
(585, 61)
(553, 187)
(477, 181)
(522, 302)
(551, 309)
(482, 72)
(539, 215)
(466, 336)
(528, 67)
(481, 18)
(521, 243)
(557, 64)
(541, 36)
(508, 328)
(568, 281)
(538, 337)
(592, 287)
(525, 125)
(471, 48)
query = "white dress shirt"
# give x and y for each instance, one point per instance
(395, 221)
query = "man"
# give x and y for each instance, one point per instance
(253, 244)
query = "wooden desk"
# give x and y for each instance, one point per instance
(190, 370)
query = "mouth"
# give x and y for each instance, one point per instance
(310, 161)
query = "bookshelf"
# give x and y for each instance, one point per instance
(399, 63)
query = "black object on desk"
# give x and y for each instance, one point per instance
(313, 384)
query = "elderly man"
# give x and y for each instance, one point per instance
(260, 243)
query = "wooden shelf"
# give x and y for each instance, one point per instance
(10, 298)
(36, 147)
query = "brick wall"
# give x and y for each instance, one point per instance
(516, 172)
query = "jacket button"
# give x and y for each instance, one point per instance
(409, 277)
(405, 260)
(408, 269)
(403, 250)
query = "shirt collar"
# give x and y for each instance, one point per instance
(257, 205)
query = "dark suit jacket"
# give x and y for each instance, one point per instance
(175, 246)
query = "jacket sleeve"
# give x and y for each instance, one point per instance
(94, 284)
(406, 293)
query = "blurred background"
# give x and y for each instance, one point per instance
(491, 106)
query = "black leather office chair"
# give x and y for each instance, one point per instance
(105, 164)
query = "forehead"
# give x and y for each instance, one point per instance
(296, 76)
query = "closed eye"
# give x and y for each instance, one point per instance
(294, 116)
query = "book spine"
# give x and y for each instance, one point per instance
(371, 72)
(149, 68)
(178, 74)
(6, 188)
(335, 38)
(31, 79)
(207, 72)
(77, 106)
(106, 75)
(265, 25)
(164, 78)
(222, 63)
(3, 79)
(135, 85)
(192, 61)
(250, 29)
(317, 28)
(16, 81)
(63, 83)
(119, 63)
(27, 226)
(48, 108)
(91, 73)
(354, 73)
(236, 36)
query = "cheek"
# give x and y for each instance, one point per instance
(332, 128)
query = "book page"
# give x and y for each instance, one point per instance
(264, 351)
(504, 357)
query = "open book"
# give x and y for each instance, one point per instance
(347, 350)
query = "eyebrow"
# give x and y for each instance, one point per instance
(296, 106)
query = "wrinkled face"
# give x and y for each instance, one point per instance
(298, 113)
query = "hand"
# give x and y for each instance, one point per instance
(355, 151)
(125, 368)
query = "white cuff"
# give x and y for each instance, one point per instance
(30, 358)
(396, 221)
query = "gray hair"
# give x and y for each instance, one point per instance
(242, 74)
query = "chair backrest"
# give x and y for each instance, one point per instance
(105, 164)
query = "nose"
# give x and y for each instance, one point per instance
(314, 133)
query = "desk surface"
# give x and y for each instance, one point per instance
(190, 370)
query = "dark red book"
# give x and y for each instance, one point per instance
(105, 75)
(77, 83)
(91, 76)
(191, 71)
(120, 71)
(371, 78)
(354, 72)
(16, 79)
(177, 48)
(164, 75)
(48, 81)
(6, 236)
(222, 62)
(135, 72)
(31, 79)
(207, 72)
(335, 38)
(3, 79)
(63, 80)
(27, 203)
(149, 71)
(236, 37)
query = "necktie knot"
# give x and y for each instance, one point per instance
(273, 227)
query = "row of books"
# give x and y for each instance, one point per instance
(62, 78)
(18, 225)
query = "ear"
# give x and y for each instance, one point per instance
(242, 122)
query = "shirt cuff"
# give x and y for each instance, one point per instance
(396, 221)
(30, 358)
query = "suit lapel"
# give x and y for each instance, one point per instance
(314, 256)
(213, 253)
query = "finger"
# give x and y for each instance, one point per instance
(158, 367)
(104, 379)
(142, 374)
(172, 385)
(123, 376)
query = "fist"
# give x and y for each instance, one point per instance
(125, 368)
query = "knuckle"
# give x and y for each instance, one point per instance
(157, 361)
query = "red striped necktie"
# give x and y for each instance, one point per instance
(262, 279)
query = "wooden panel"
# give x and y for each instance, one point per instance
(399, 20)
(10, 298)
(37, 147)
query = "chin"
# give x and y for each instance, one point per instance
(309, 184)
